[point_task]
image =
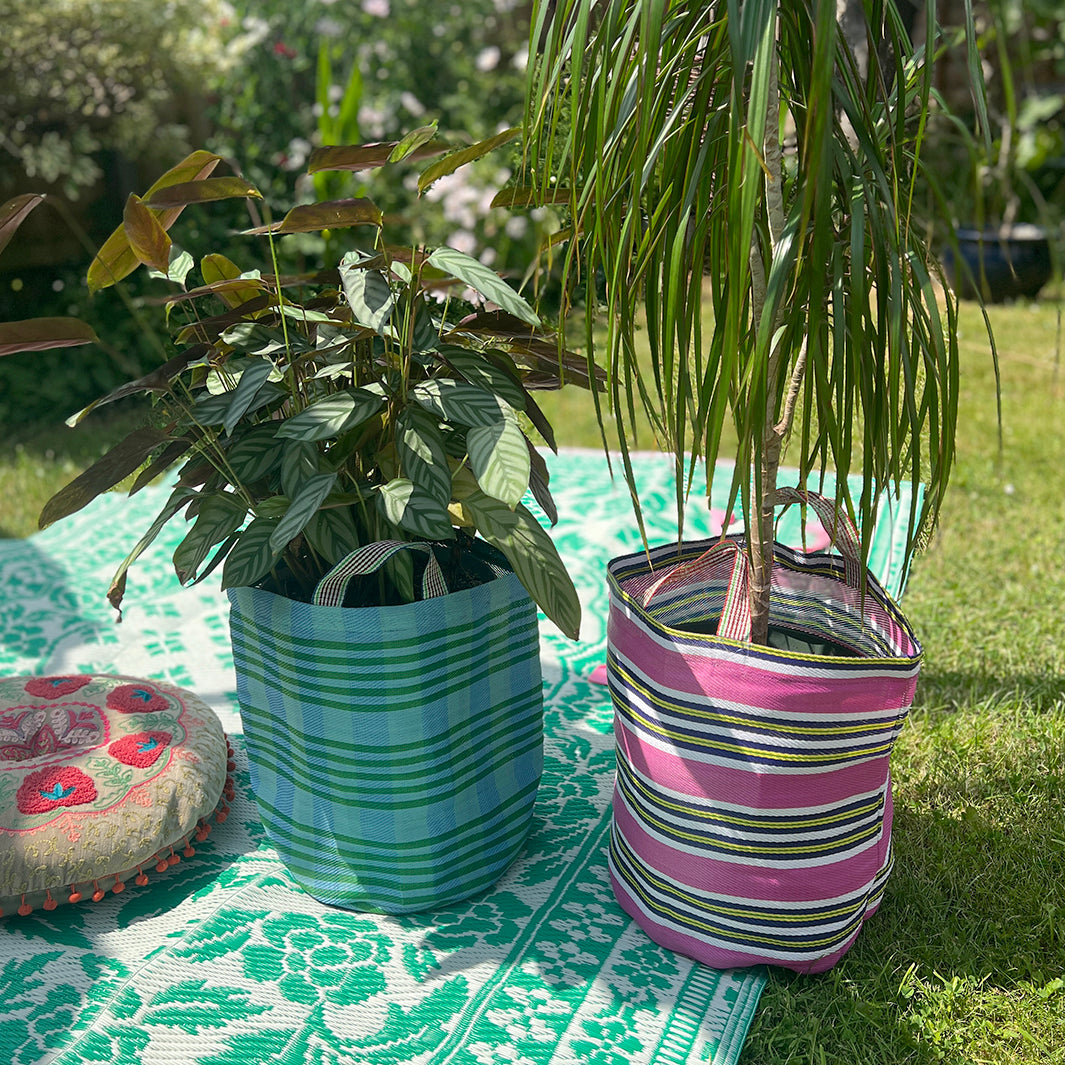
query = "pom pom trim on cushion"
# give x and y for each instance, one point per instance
(103, 774)
(164, 858)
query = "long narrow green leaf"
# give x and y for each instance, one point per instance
(656, 117)
(533, 557)
(483, 280)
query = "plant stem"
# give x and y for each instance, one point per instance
(761, 529)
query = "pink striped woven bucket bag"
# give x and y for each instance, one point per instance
(752, 807)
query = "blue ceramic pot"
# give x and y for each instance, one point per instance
(1007, 262)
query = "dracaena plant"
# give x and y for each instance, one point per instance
(309, 415)
(751, 166)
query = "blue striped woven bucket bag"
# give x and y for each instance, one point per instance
(752, 807)
(395, 751)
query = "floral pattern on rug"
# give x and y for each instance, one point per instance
(232, 963)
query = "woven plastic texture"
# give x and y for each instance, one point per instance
(395, 751)
(752, 809)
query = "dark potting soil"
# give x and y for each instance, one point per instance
(783, 639)
(462, 562)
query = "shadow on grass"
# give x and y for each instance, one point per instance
(965, 961)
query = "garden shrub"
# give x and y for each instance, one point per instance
(109, 93)
(80, 78)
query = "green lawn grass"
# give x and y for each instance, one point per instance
(965, 962)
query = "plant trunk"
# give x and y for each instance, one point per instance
(760, 531)
(761, 534)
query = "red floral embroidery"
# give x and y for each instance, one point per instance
(49, 686)
(137, 699)
(141, 749)
(52, 787)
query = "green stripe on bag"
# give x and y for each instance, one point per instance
(395, 751)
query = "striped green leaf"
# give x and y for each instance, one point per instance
(368, 293)
(272, 508)
(332, 416)
(477, 370)
(304, 506)
(406, 505)
(484, 280)
(258, 339)
(332, 533)
(499, 458)
(299, 462)
(458, 402)
(244, 395)
(252, 556)
(533, 557)
(219, 516)
(421, 453)
(213, 410)
(255, 454)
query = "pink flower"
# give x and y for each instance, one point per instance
(282, 49)
(46, 687)
(52, 787)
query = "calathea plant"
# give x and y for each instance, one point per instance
(312, 414)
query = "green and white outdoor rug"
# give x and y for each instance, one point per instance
(223, 960)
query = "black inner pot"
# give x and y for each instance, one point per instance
(464, 563)
(782, 639)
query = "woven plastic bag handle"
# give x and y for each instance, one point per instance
(736, 613)
(836, 522)
(735, 622)
(368, 559)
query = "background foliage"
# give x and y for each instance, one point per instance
(1019, 174)
(261, 82)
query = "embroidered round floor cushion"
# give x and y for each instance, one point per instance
(102, 779)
